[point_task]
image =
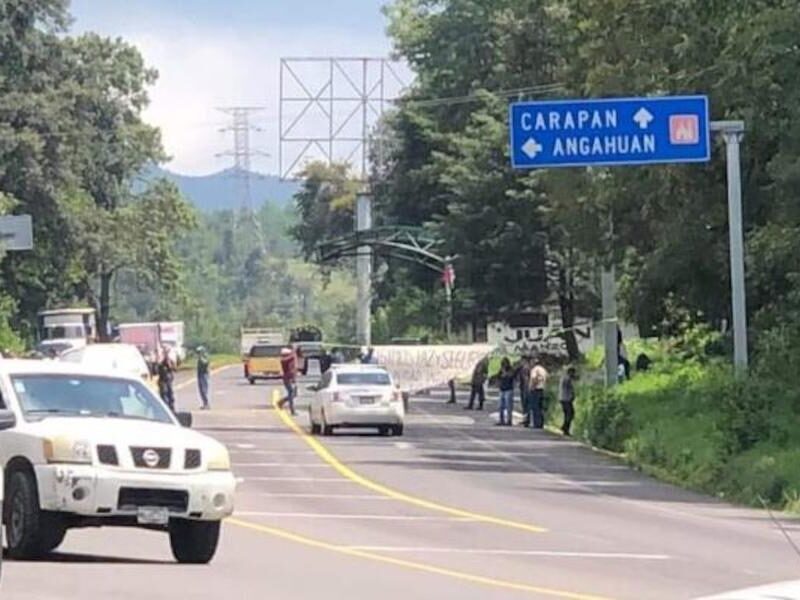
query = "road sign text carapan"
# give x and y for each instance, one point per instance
(581, 120)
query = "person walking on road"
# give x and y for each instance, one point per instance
(524, 380)
(567, 394)
(166, 376)
(289, 371)
(477, 390)
(538, 381)
(203, 375)
(506, 377)
(451, 385)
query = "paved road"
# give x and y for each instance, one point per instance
(457, 508)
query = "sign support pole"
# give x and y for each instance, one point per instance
(608, 284)
(364, 271)
(733, 132)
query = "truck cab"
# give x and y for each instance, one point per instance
(65, 329)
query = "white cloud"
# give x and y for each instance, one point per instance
(202, 68)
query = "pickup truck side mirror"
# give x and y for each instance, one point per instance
(7, 419)
(184, 418)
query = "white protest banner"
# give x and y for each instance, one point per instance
(417, 368)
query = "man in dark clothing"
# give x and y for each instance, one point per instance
(477, 390)
(166, 375)
(289, 370)
(203, 376)
(506, 378)
(567, 393)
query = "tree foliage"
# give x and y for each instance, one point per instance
(72, 141)
(665, 227)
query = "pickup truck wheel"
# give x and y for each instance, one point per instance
(251, 380)
(193, 542)
(53, 533)
(397, 430)
(23, 518)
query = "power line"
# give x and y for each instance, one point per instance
(474, 97)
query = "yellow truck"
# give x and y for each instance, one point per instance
(263, 362)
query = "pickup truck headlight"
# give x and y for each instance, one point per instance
(67, 450)
(219, 460)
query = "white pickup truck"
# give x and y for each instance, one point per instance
(93, 448)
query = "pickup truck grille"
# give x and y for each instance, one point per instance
(107, 455)
(141, 454)
(192, 459)
(176, 501)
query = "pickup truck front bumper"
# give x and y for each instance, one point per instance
(90, 491)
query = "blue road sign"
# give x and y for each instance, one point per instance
(609, 131)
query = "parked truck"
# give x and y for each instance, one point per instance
(151, 337)
(250, 336)
(308, 340)
(64, 329)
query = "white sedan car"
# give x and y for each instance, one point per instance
(354, 395)
(96, 447)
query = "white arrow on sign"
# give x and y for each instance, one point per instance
(531, 148)
(643, 117)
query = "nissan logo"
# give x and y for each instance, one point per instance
(150, 457)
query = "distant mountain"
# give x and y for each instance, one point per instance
(218, 191)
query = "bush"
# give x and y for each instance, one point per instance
(604, 420)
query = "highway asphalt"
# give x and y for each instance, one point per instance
(456, 508)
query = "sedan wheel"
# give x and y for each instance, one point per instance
(325, 429)
(315, 428)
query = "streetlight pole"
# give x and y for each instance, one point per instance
(363, 271)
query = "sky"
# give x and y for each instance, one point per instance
(217, 53)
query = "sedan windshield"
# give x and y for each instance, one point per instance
(369, 378)
(86, 396)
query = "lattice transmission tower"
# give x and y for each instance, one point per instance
(242, 154)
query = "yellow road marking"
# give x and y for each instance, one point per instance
(345, 471)
(407, 564)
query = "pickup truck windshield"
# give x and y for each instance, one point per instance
(85, 396)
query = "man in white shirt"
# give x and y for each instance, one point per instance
(538, 381)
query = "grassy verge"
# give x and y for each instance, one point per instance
(694, 423)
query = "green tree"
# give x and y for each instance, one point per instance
(325, 205)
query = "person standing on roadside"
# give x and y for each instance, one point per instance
(506, 377)
(289, 371)
(203, 375)
(166, 376)
(567, 394)
(538, 381)
(524, 380)
(477, 390)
